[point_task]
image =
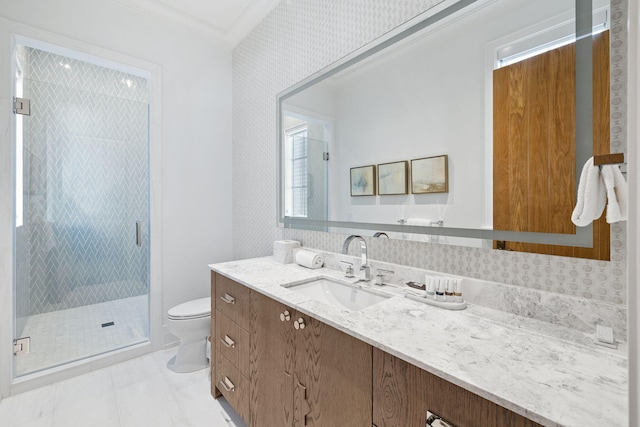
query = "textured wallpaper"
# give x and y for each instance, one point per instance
(301, 37)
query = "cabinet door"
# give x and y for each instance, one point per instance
(334, 372)
(403, 393)
(271, 361)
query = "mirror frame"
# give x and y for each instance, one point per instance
(584, 132)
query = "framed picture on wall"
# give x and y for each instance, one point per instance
(392, 178)
(430, 175)
(363, 181)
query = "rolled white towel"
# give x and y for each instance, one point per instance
(309, 259)
(617, 193)
(591, 196)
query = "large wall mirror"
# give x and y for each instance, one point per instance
(469, 125)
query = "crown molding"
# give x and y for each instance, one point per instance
(235, 32)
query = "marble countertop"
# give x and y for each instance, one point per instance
(524, 365)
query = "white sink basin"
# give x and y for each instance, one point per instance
(338, 294)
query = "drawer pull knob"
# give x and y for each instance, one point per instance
(228, 299)
(299, 324)
(227, 384)
(434, 420)
(285, 316)
(228, 342)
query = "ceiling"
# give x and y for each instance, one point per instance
(229, 19)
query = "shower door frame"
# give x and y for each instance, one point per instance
(38, 39)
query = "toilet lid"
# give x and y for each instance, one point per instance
(190, 309)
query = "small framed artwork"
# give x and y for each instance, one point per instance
(430, 175)
(363, 181)
(392, 178)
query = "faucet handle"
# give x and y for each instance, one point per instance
(348, 272)
(380, 275)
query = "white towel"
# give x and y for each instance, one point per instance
(419, 221)
(309, 259)
(616, 187)
(591, 196)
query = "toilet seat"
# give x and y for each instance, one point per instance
(195, 309)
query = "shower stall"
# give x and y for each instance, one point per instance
(81, 209)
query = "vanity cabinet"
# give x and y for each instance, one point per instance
(403, 393)
(230, 327)
(281, 368)
(304, 372)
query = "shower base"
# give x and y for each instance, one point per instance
(65, 336)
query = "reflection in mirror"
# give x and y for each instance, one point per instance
(435, 93)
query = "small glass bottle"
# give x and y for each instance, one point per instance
(430, 287)
(457, 291)
(440, 288)
(448, 293)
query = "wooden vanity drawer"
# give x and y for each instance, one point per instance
(233, 386)
(232, 299)
(403, 393)
(232, 342)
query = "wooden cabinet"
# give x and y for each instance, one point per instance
(403, 393)
(271, 362)
(304, 372)
(281, 368)
(231, 340)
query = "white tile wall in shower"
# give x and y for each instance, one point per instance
(86, 162)
(301, 37)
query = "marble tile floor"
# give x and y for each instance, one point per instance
(64, 336)
(140, 392)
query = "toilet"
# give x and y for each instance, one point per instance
(191, 323)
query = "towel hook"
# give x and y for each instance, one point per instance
(608, 159)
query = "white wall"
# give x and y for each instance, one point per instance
(634, 215)
(192, 184)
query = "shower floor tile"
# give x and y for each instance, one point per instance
(67, 335)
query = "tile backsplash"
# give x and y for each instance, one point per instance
(589, 279)
(301, 37)
(579, 315)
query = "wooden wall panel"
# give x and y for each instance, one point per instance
(562, 133)
(534, 146)
(539, 162)
(518, 147)
(501, 146)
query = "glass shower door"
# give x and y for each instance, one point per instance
(82, 210)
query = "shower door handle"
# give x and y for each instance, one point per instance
(138, 233)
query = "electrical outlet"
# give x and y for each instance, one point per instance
(604, 334)
(604, 337)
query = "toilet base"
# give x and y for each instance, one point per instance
(191, 357)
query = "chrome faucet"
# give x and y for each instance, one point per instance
(363, 252)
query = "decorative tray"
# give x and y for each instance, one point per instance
(442, 304)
